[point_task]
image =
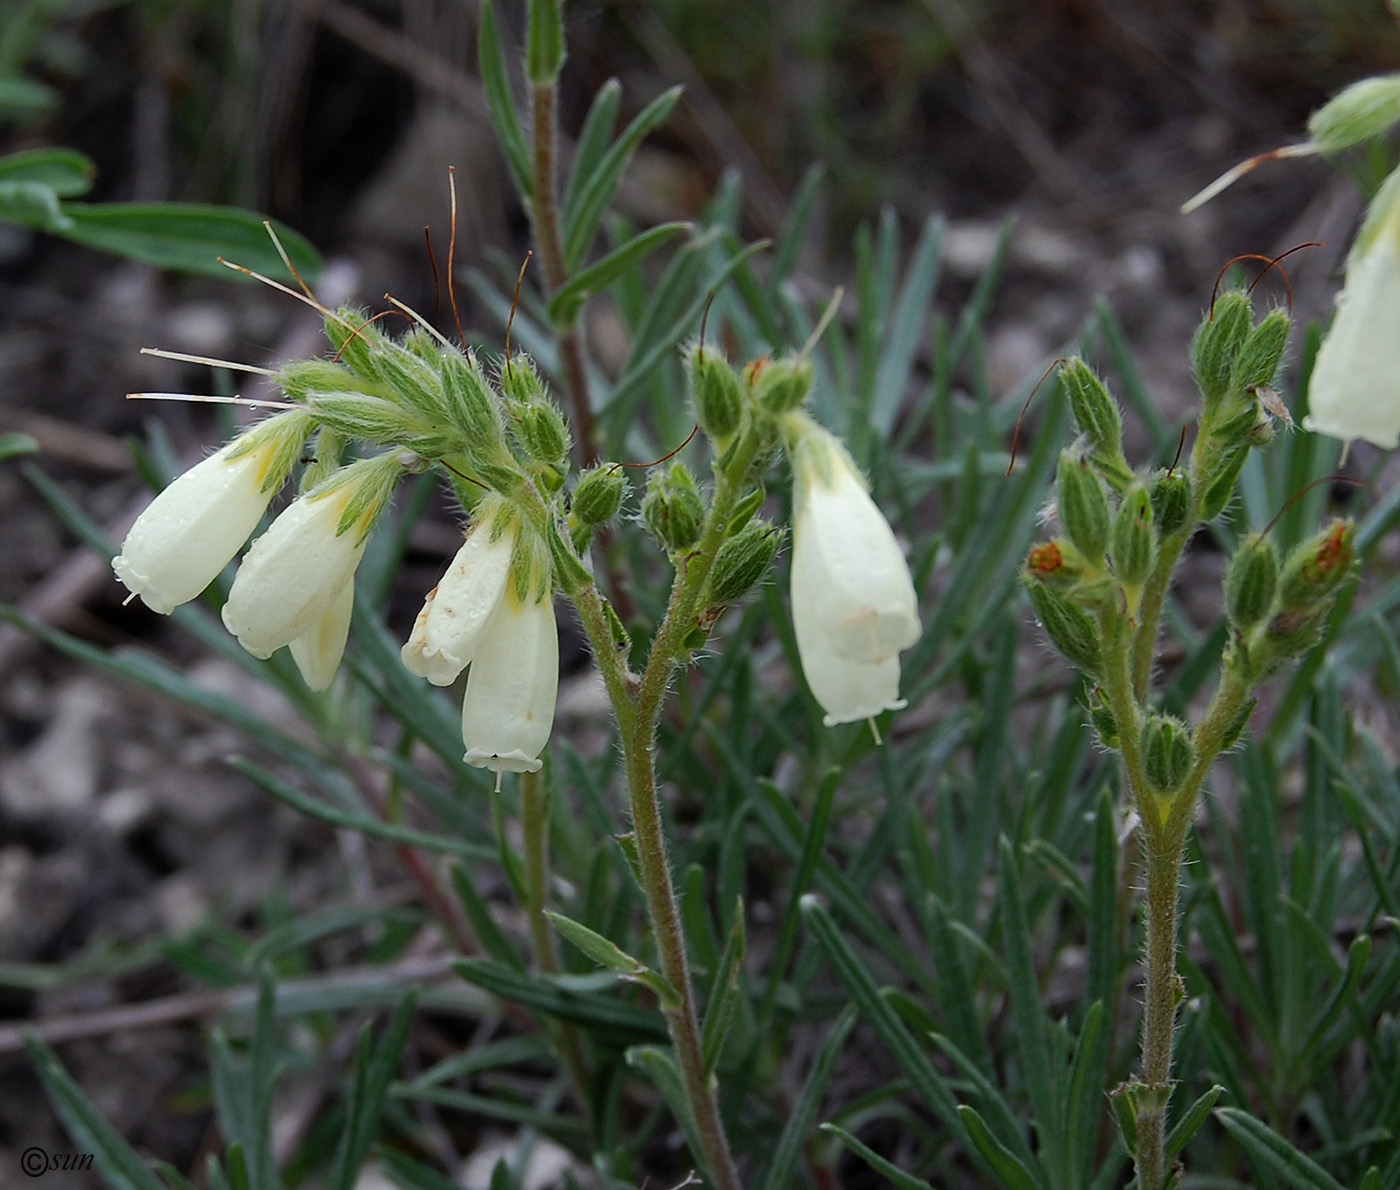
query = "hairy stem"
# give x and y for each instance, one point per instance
(638, 703)
(544, 214)
(534, 827)
(1161, 994)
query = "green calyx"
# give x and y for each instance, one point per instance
(673, 508)
(742, 561)
(1083, 505)
(1251, 582)
(1167, 752)
(599, 494)
(717, 394)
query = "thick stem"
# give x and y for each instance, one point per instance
(637, 703)
(1161, 995)
(544, 214)
(665, 917)
(534, 827)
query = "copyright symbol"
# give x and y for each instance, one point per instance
(34, 1161)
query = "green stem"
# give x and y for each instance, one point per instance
(534, 827)
(1154, 597)
(1161, 994)
(544, 214)
(638, 703)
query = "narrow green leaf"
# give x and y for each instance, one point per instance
(614, 1021)
(1272, 1151)
(24, 98)
(597, 191)
(898, 1178)
(812, 847)
(32, 205)
(12, 445)
(1008, 1129)
(1032, 1038)
(659, 1065)
(566, 303)
(495, 81)
(724, 992)
(1085, 1104)
(119, 1162)
(189, 237)
(64, 171)
(608, 954)
(1103, 930)
(374, 1071)
(907, 326)
(484, 926)
(358, 822)
(592, 143)
(1008, 1168)
(907, 1052)
(804, 1111)
(1190, 1123)
(410, 1174)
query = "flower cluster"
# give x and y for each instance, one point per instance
(429, 404)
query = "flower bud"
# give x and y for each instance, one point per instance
(780, 386)
(1217, 342)
(1355, 387)
(1167, 752)
(520, 381)
(542, 431)
(1258, 360)
(673, 508)
(599, 494)
(1133, 544)
(1221, 486)
(1251, 582)
(1317, 568)
(1363, 111)
(192, 529)
(471, 405)
(1105, 725)
(1072, 630)
(1083, 505)
(415, 383)
(358, 341)
(1171, 501)
(1095, 411)
(742, 561)
(718, 397)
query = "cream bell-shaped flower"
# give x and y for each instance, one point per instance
(192, 529)
(1355, 386)
(512, 686)
(318, 650)
(449, 629)
(294, 572)
(853, 604)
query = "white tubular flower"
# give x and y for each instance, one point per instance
(1355, 386)
(853, 604)
(449, 629)
(512, 686)
(192, 530)
(318, 650)
(296, 570)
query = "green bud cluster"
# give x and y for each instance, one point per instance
(673, 508)
(1099, 588)
(1167, 752)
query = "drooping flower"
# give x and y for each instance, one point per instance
(192, 529)
(296, 570)
(318, 650)
(449, 629)
(1355, 386)
(512, 685)
(853, 603)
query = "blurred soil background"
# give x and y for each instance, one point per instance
(122, 830)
